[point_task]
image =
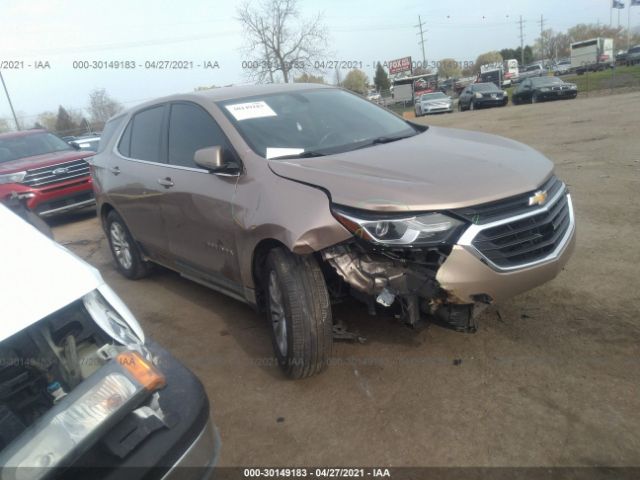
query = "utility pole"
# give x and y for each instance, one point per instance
(13, 112)
(422, 41)
(628, 22)
(521, 42)
(542, 39)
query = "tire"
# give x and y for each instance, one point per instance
(418, 112)
(472, 105)
(124, 249)
(299, 313)
(459, 106)
(534, 98)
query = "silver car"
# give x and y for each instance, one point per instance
(436, 102)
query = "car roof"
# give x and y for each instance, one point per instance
(38, 277)
(236, 92)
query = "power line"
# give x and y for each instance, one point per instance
(422, 40)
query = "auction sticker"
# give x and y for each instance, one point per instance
(246, 111)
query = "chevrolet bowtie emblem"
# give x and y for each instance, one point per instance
(538, 198)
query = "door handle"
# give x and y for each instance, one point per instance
(165, 182)
(115, 170)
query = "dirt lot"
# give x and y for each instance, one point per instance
(551, 378)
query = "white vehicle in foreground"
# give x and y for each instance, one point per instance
(82, 392)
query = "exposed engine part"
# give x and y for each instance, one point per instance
(360, 270)
(56, 391)
(386, 298)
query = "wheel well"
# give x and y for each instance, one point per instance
(260, 253)
(104, 211)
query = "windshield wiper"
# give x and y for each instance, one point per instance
(381, 140)
(307, 154)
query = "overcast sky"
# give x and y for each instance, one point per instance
(61, 31)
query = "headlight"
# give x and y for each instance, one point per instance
(419, 230)
(504, 92)
(545, 89)
(74, 424)
(573, 87)
(15, 177)
(109, 319)
(478, 95)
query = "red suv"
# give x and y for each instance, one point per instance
(51, 175)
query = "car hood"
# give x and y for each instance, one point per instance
(38, 275)
(43, 160)
(439, 169)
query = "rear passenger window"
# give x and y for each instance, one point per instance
(146, 133)
(191, 128)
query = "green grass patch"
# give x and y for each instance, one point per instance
(618, 77)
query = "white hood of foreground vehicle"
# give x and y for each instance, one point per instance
(38, 276)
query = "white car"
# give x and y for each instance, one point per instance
(80, 385)
(436, 102)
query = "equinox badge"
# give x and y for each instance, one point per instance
(538, 198)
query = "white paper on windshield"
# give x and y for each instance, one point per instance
(280, 152)
(246, 111)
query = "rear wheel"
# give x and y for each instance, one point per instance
(124, 248)
(299, 313)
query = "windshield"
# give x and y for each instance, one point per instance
(434, 96)
(546, 81)
(30, 145)
(486, 87)
(315, 122)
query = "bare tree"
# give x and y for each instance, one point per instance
(102, 107)
(279, 42)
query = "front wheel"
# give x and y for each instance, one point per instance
(534, 98)
(472, 105)
(299, 313)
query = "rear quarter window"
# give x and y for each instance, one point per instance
(109, 130)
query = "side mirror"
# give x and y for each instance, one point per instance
(210, 158)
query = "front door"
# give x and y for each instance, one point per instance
(198, 207)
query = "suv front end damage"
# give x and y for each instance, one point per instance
(453, 264)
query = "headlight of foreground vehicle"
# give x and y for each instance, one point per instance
(72, 426)
(545, 89)
(478, 95)
(15, 177)
(427, 229)
(573, 87)
(109, 319)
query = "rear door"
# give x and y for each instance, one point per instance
(137, 172)
(198, 208)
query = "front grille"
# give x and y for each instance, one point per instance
(528, 239)
(509, 207)
(60, 172)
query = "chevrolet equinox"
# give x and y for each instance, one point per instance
(289, 197)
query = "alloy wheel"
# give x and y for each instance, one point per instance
(120, 245)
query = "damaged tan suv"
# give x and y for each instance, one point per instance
(288, 197)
